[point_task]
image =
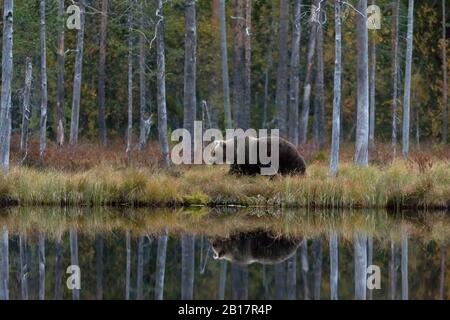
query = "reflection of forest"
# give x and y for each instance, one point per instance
(169, 255)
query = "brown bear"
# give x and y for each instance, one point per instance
(290, 162)
(257, 246)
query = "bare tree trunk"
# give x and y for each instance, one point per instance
(130, 80)
(305, 268)
(407, 92)
(405, 289)
(360, 249)
(140, 269)
(369, 262)
(58, 268)
(280, 281)
(336, 126)
(222, 279)
(372, 84)
(75, 116)
(291, 277)
(224, 56)
(445, 77)
(239, 64)
(395, 67)
(23, 252)
(294, 81)
(102, 72)
(190, 71)
(143, 126)
(4, 263)
(127, 265)
(44, 98)
(7, 73)
(187, 267)
(362, 117)
(60, 76)
(334, 263)
(392, 272)
(161, 85)
(317, 267)
(319, 95)
(314, 23)
(26, 111)
(239, 282)
(160, 267)
(99, 246)
(282, 69)
(74, 258)
(41, 253)
(248, 64)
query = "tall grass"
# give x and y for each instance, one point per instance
(400, 184)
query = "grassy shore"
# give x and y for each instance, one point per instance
(400, 184)
(54, 222)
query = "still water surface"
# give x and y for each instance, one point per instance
(134, 262)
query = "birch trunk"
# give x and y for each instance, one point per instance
(102, 72)
(143, 127)
(238, 64)
(160, 267)
(75, 116)
(127, 265)
(187, 267)
(190, 70)
(336, 125)
(362, 116)
(369, 261)
(405, 290)
(294, 81)
(395, 67)
(282, 69)
(60, 75)
(130, 81)
(58, 269)
(161, 85)
(392, 273)
(314, 25)
(305, 268)
(334, 264)
(7, 73)
(360, 249)
(317, 267)
(280, 281)
(23, 266)
(407, 92)
(41, 253)
(372, 84)
(222, 280)
(248, 64)
(224, 56)
(44, 98)
(291, 277)
(319, 95)
(74, 258)
(140, 269)
(26, 111)
(239, 282)
(445, 77)
(4, 263)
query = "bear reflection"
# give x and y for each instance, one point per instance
(258, 246)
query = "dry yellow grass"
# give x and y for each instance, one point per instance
(400, 184)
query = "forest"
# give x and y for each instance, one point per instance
(95, 86)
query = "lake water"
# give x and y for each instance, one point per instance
(145, 254)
